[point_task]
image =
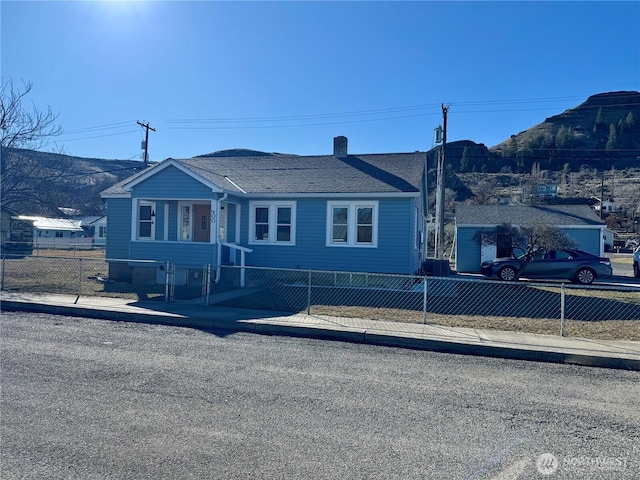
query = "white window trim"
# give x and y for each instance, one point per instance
(136, 221)
(352, 224)
(273, 222)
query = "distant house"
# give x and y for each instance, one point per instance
(607, 206)
(57, 233)
(578, 222)
(539, 191)
(363, 213)
(97, 228)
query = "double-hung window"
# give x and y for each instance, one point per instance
(146, 216)
(352, 224)
(272, 223)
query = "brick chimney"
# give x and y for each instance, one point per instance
(340, 146)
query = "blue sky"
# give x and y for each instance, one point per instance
(289, 76)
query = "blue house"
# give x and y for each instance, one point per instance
(578, 222)
(363, 213)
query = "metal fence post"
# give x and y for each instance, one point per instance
(80, 279)
(562, 310)
(2, 275)
(207, 283)
(166, 282)
(424, 300)
(172, 282)
(309, 295)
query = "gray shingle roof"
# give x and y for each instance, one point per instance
(522, 215)
(283, 174)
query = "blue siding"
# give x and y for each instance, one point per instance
(395, 252)
(118, 228)
(467, 250)
(588, 239)
(183, 253)
(159, 222)
(418, 227)
(231, 222)
(173, 221)
(172, 183)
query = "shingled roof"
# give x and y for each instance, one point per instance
(522, 215)
(293, 174)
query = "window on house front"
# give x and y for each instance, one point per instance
(272, 223)
(352, 224)
(261, 219)
(340, 224)
(283, 224)
(102, 231)
(364, 228)
(59, 234)
(146, 216)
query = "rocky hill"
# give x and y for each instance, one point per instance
(601, 133)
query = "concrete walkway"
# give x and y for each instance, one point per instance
(466, 341)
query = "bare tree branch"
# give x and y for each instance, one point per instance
(27, 184)
(22, 126)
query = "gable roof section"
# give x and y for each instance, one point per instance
(291, 174)
(130, 183)
(565, 215)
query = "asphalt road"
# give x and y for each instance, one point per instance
(91, 399)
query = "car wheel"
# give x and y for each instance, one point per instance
(585, 276)
(508, 274)
(636, 270)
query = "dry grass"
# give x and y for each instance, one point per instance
(604, 330)
(74, 253)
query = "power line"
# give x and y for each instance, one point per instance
(306, 120)
(434, 106)
(99, 136)
(98, 127)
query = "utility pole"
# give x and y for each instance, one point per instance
(441, 190)
(146, 142)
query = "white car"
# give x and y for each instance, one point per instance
(636, 263)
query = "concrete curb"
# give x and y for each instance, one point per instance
(499, 351)
(341, 333)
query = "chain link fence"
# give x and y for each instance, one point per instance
(392, 300)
